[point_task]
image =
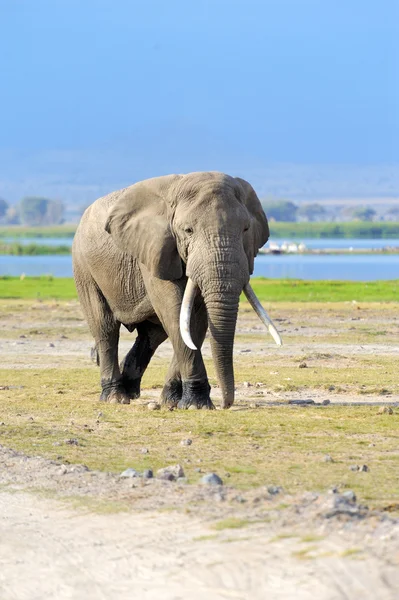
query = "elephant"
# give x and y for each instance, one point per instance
(169, 257)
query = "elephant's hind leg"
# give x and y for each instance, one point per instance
(150, 336)
(105, 329)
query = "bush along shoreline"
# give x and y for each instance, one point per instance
(17, 249)
(278, 229)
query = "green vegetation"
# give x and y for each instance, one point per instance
(267, 290)
(43, 409)
(17, 249)
(42, 287)
(353, 229)
(56, 231)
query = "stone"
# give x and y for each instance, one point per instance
(129, 473)
(247, 384)
(328, 458)
(147, 474)
(303, 365)
(354, 467)
(51, 345)
(364, 468)
(274, 489)
(181, 480)
(144, 451)
(211, 479)
(186, 442)
(326, 402)
(301, 402)
(153, 406)
(72, 442)
(385, 410)
(170, 473)
(349, 496)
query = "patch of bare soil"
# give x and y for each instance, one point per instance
(215, 543)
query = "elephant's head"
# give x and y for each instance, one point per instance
(208, 226)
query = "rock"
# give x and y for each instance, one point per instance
(144, 451)
(211, 479)
(240, 499)
(72, 442)
(385, 410)
(181, 480)
(259, 384)
(62, 470)
(186, 442)
(364, 468)
(326, 402)
(147, 474)
(328, 458)
(129, 473)
(153, 406)
(301, 402)
(198, 470)
(354, 467)
(247, 384)
(51, 345)
(171, 473)
(349, 496)
(331, 388)
(274, 489)
(303, 365)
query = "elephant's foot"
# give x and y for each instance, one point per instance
(131, 386)
(172, 393)
(196, 394)
(114, 393)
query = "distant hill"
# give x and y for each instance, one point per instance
(79, 177)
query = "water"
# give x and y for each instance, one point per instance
(350, 267)
(41, 241)
(293, 266)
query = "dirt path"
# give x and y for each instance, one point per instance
(49, 552)
(183, 541)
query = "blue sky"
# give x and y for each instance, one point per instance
(189, 81)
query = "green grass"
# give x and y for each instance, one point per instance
(54, 231)
(353, 229)
(54, 405)
(16, 249)
(268, 290)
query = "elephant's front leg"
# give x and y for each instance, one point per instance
(166, 298)
(149, 337)
(172, 393)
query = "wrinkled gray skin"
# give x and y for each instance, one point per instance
(132, 254)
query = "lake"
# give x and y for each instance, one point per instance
(350, 267)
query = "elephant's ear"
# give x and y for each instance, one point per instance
(139, 225)
(258, 232)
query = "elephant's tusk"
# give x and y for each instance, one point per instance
(185, 313)
(262, 314)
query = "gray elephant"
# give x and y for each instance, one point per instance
(169, 257)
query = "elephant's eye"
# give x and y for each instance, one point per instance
(188, 230)
(246, 227)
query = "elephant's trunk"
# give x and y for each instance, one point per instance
(222, 318)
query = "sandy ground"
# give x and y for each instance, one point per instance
(320, 546)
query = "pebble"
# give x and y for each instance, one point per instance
(51, 345)
(301, 402)
(385, 410)
(144, 451)
(247, 384)
(211, 479)
(129, 473)
(171, 473)
(303, 365)
(72, 442)
(349, 496)
(328, 458)
(147, 474)
(274, 489)
(186, 442)
(153, 406)
(62, 470)
(326, 402)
